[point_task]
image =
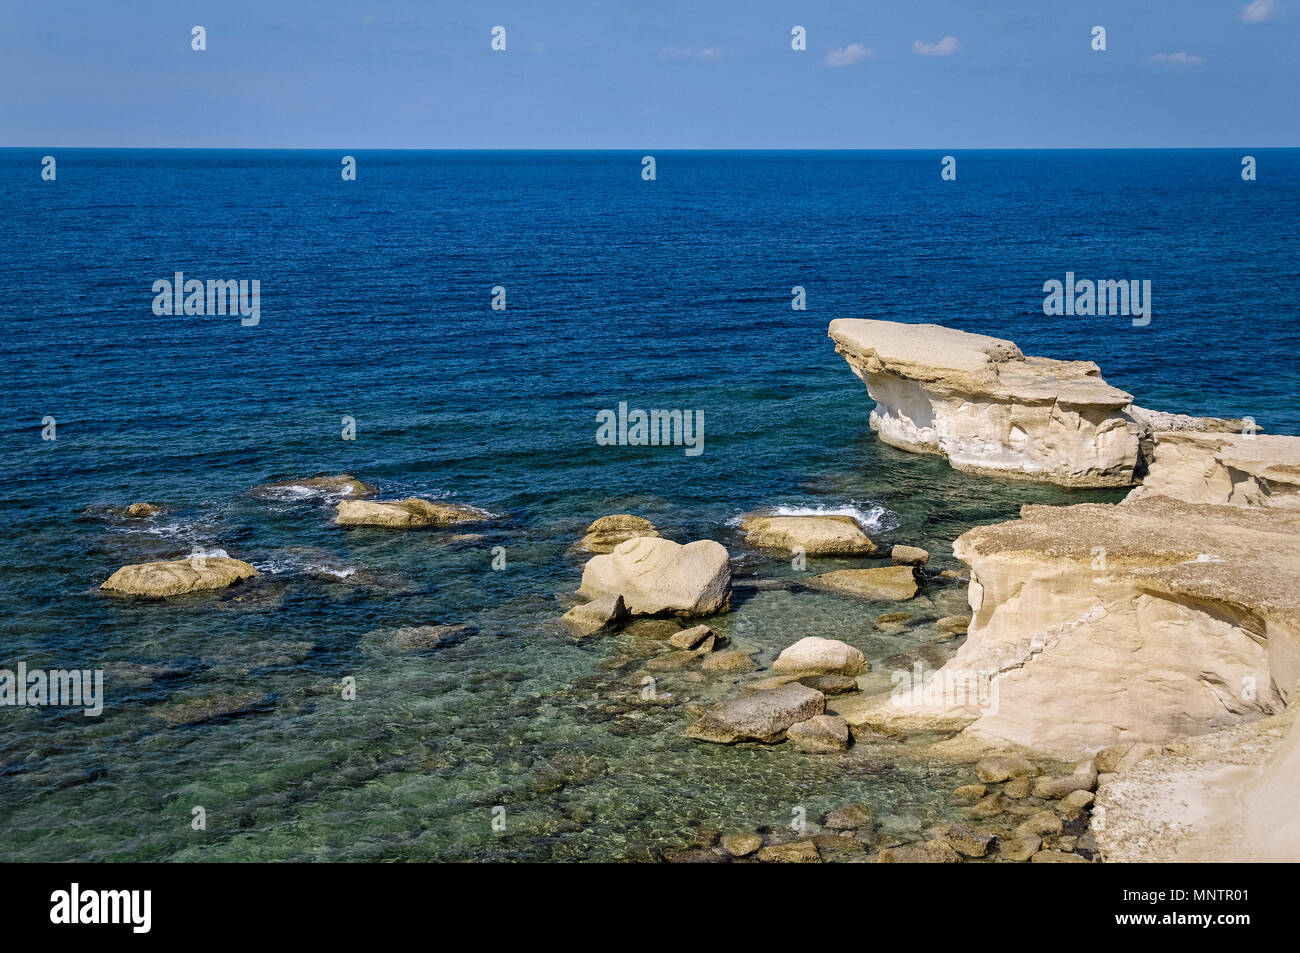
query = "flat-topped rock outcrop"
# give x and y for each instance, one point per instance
(988, 408)
(1223, 468)
(409, 513)
(816, 535)
(314, 488)
(1100, 624)
(758, 716)
(176, 577)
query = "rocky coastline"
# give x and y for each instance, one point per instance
(1118, 686)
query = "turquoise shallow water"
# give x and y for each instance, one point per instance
(375, 305)
(510, 712)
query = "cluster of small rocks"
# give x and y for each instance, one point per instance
(847, 834)
(1015, 813)
(1032, 816)
(790, 705)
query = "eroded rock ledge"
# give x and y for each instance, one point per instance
(990, 409)
(1099, 624)
(1232, 468)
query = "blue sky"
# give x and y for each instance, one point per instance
(579, 74)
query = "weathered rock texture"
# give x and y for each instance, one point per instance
(1228, 797)
(815, 535)
(599, 615)
(339, 485)
(1138, 622)
(176, 577)
(760, 716)
(988, 408)
(658, 576)
(881, 583)
(818, 656)
(608, 531)
(409, 513)
(1233, 468)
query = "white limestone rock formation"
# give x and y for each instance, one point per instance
(988, 408)
(1223, 468)
(657, 576)
(1095, 625)
(1225, 797)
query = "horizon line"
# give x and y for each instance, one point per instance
(646, 149)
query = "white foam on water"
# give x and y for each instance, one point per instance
(336, 571)
(275, 567)
(212, 553)
(870, 516)
(281, 565)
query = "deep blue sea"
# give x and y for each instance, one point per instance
(376, 304)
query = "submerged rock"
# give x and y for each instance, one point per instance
(741, 845)
(196, 710)
(409, 513)
(929, 852)
(606, 533)
(657, 576)
(760, 716)
(673, 661)
(176, 577)
(692, 638)
(318, 487)
(830, 684)
(413, 639)
(969, 793)
(997, 768)
(795, 852)
(892, 618)
(729, 661)
(883, 583)
(815, 535)
(851, 817)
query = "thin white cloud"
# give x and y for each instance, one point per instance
(708, 54)
(848, 55)
(1177, 59)
(945, 47)
(1257, 11)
